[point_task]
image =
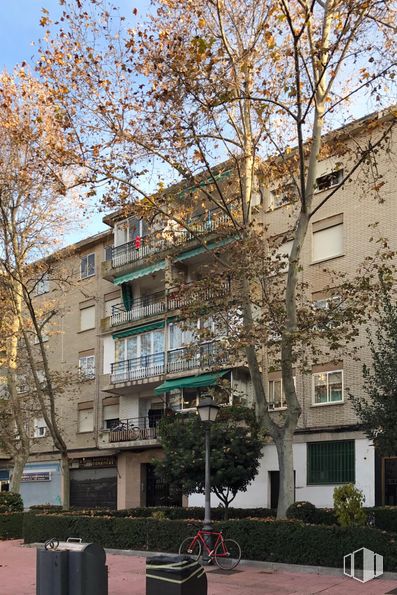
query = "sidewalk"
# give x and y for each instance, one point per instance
(127, 577)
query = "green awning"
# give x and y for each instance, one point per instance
(201, 249)
(190, 382)
(139, 329)
(153, 268)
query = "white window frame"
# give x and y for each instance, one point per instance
(331, 255)
(139, 345)
(283, 400)
(86, 258)
(39, 428)
(339, 175)
(85, 412)
(84, 310)
(327, 402)
(87, 371)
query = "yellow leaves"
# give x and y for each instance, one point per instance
(271, 42)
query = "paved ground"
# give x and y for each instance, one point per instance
(127, 577)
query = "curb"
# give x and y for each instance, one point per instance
(269, 566)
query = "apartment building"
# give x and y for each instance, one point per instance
(123, 326)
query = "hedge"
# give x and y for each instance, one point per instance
(11, 525)
(269, 540)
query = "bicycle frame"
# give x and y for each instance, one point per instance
(201, 536)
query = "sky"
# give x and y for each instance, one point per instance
(19, 30)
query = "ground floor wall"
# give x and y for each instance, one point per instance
(262, 492)
(41, 483)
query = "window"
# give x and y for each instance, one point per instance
(39, 427)
(330, 462)
(85, 422)
(128, 230)
(329, 180)
(87, 318)
(276, 395)
(328, 387)
(42, 285)
(183, 399)
(87, 366)
(283, 195)
(108, 252)
(281, 256)
(87, 266)
(109, 306)
(110, 416)
(22, 385)
(138, 346)
(327, 238)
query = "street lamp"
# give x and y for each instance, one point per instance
(207, 410)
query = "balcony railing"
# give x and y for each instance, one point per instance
(143, 307)
(136, 428)
(158, 303)
(206, 355)
(144, 246)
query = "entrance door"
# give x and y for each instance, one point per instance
(158, 492)
(275, 487)
(390, 482)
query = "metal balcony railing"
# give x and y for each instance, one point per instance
(142, 307)
(206, 355)
(158, 303)
(136, 428)
(143, 246)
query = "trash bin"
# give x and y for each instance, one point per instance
(175, 575)
(71, 568)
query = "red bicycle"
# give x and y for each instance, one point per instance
(225, 552)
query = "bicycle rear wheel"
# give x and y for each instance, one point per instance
(189, 547)
(227, 554)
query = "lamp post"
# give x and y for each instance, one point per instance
(207, 410)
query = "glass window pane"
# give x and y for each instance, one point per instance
(146, 343)
(158, 341)
(132, 348)
(91, 264)
(335, 386)
(320, 388)
(119, 350)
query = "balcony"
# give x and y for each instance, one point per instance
(160, 302)
(142, 247)
(135, 429)
(207, 355)
(143, 307)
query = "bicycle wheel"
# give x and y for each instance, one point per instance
(190, 547)
(227, 554)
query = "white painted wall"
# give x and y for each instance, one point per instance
(108, 354)
(258, 493)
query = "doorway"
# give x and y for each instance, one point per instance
(275, 488)
(390, 482)
(158, 492)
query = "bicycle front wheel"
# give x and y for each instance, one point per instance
(190, 547)
(227, 554)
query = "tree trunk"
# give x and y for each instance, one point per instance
(65, 481)
(20, 461)
(286, 466)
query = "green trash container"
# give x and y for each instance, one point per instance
(175, 575)
(71, 568)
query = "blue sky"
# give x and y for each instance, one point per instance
(19, 30)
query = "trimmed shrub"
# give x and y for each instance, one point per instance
(302, 511)
(46, 507)
(274, 541)
(11, 525)
(348, 506)
(10, 502)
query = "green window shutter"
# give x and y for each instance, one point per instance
(330, 462)
(138, 330)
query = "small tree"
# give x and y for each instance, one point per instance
(378, 413)
(235, 451)
(348, 505)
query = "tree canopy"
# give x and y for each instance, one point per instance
(235, 452)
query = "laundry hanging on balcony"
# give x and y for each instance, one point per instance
(190, 382)
(127, 295)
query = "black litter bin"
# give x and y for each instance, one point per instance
(71, 568)
(175, 575)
